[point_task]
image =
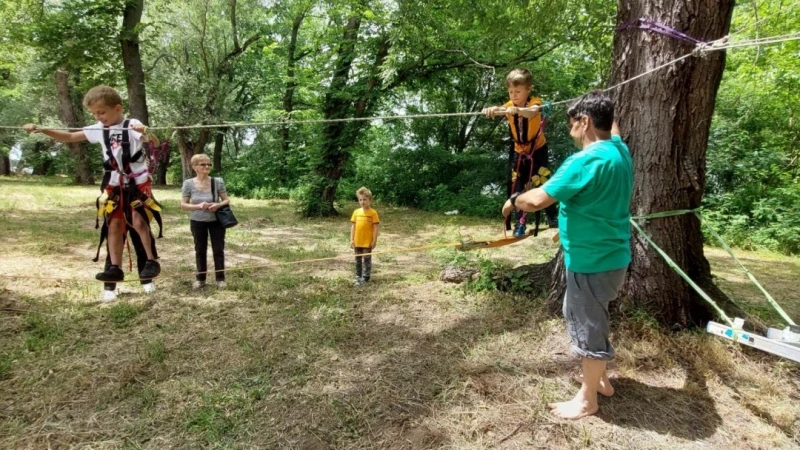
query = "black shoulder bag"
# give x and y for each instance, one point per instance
(224, 214)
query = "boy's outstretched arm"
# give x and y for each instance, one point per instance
(494, 111)
(526, 112)
(58, 135)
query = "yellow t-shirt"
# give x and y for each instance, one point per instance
(365, 221)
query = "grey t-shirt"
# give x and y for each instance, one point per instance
(196, 196)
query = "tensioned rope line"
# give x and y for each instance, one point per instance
(700, 49)
(683, 274)
(242, 268)
(725, 247)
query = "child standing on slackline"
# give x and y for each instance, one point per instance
(364, 229)
(529, 166)
(126, 182)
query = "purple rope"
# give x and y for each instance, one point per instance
(660, 28)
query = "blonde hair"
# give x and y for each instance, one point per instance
(364, 192)
(199, 157)
(102, 94)
(519, 77)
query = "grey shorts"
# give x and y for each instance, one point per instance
(586, 311)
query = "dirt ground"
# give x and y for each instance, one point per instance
(292, 355)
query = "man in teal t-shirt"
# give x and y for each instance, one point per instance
(593, 188)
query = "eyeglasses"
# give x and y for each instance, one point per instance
(203, 165)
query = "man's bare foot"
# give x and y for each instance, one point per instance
(573, 409)
(605, 388)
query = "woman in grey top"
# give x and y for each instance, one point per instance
(197, 198)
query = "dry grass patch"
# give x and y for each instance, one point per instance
(294, 356)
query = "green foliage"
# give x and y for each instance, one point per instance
(492, 274)
(412, 57)
(753, 191)
(155, 351)
(6, 365)
(42, 332)
(123, 313)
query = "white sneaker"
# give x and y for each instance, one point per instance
(221, 285)
(149, 288)
(198, 284)
(109, 296)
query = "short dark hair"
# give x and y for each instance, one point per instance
(597, 105)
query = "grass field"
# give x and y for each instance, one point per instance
(295, 356)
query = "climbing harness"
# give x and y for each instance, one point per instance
(126, 195)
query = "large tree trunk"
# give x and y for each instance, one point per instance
(219, 141)
(132, 60)
(336, 135)
(339, 137)
(189, 148)
(70, 107)
(288, 98)
(5, 164)
(163, 165)
(665, 119)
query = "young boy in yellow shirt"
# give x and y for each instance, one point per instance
(525, 121)
(364, 229)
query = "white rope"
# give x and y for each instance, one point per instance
(699, 50)
(283, 122)
(648, 72)
(763, 41)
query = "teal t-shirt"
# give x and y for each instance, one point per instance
(594, 189)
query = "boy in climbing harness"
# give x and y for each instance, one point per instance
(526, 122)
(126, 181)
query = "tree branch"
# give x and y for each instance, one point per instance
(155, 63)
(233, 26)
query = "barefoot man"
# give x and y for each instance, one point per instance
(593, 188)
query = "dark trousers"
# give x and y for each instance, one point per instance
(363, 270)
(201, 232)
(141, 256)
(523, 168)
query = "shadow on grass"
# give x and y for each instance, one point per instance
(689, 413)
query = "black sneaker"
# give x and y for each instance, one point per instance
(151, 269)
(113, 273)
(552, 223)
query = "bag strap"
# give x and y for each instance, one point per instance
(213, 189)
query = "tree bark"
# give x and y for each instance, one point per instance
(70, 106)
(665, 119)
(338, 137)
(163, 165)
(219, 141)
(132, 60)
(189, 148)
(338, 105)
(288, 97)
(5, 164)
